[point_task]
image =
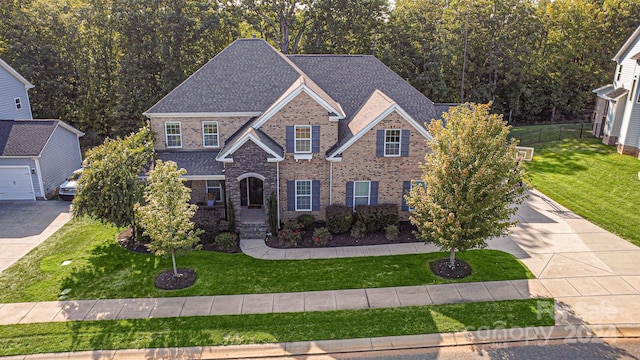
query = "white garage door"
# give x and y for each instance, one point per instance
(15, 183)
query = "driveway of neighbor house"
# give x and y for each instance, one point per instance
(26, 224)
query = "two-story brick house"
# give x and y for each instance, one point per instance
(314, 129)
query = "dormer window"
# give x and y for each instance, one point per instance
(18, 103)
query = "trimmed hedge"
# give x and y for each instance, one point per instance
(339, 218)
(377, 217)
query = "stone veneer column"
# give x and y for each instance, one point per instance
(249, 158)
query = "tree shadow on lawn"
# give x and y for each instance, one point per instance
(160, 334)
(566, 157)
(110, 271)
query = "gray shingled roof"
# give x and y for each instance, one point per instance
(195, 162)
(247, 76)
(351, 79)
(25, 137)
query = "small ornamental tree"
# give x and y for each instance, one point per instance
(472, 181)
(109, 187)
(166, 216)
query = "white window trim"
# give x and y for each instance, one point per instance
(415, 183)
(217, 134)
(18, 103)
(310, 195)
(295, 139)
(399, 143)
(219, 186)
(368, 193)
(619, 74)
(166, 135)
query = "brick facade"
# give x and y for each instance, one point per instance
(192, 131)
(303, 110)
(359, 163)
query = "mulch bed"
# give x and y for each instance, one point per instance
(441, 268)
(405, 236)
(128, 241)
(167, 281)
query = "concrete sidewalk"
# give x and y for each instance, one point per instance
(55, 311)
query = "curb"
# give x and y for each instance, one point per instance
(568, 333)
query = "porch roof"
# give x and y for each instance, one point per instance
(197, 163)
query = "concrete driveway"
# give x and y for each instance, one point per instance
(26, 224)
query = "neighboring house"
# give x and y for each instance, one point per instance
(35, 157)
(14, 100)
(314, 129)
(617, 114)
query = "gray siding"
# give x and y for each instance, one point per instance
(59, 158)
(32, 165)
(11, 88)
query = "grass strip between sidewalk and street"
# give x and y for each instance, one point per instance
(592, 180)
(271, 328)
(102, 269)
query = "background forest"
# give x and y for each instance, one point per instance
(99, 64)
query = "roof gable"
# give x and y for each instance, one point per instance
(618, 57)
(351, 79)
(302, 84)
(377, 108)
(257, 137)
(15, 74)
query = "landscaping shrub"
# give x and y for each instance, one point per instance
(207, 220)
(321, 236)
(227, 241)
(358, 230)
(307, 221)
(339, 218)
(377, 217)
(291, 232)
(391, 232)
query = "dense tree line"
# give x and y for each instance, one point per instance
(98, 64)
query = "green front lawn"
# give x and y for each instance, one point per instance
(269, 328)
(101, 269)
(592, 180)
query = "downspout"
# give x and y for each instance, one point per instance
(39, 174)
(330, 182)
(278, 190)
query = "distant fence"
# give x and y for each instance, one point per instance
(535, 134)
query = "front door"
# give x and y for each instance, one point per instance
(251, 193)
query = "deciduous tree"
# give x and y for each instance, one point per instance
(166, 216)
(109, 187)
(472, 181)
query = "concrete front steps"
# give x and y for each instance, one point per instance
(252, 230)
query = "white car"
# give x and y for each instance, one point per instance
(69, 188)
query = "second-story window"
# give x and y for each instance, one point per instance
(303, 139)
(18, 103)
(173, 134)
(392, 142)
(619, 72)
(210, 136)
